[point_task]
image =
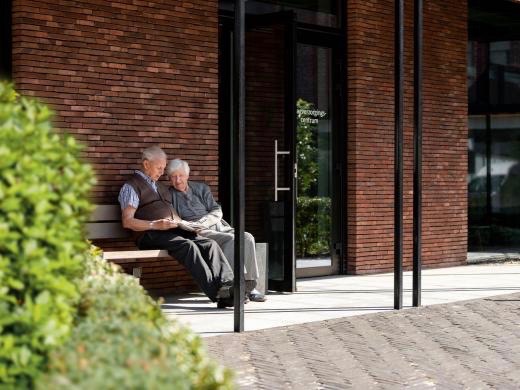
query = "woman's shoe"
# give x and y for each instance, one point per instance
(257, 296)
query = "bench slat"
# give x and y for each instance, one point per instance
(100, 230)
(141, 254)
(106, 212)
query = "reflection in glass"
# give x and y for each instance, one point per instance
(477, 74)
(494, 194)
(505, 163)
(318, 12)
(314, 157)
(477, 170)
(504, 72)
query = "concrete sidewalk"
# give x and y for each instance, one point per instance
(327, 298)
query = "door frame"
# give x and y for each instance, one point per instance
(305, 34)
(288, 20)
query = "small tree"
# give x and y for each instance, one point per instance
(43, 208)
(306, 149)
(313, 212)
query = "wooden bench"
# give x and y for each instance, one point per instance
(105, 224)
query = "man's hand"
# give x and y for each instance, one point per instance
(139, 225)
(163, 224)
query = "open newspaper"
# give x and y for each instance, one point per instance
(191, 226)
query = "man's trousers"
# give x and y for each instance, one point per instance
(200, 255)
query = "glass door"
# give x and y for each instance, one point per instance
(318, 245)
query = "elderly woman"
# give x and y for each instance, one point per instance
(194, 202)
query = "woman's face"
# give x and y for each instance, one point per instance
(179, 180)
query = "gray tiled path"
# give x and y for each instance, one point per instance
(472, 344)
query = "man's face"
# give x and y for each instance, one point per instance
(154, 168)
(179, 180)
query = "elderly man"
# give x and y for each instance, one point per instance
(147, 211)
(193, 201)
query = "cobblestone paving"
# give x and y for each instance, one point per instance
(464, 345)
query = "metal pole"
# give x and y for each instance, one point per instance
(417, 172)
(398, 159)
(487, 84)
(239, 166)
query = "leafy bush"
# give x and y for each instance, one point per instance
(312, 226)
(122, 340)
(43, 206)
(88, 327)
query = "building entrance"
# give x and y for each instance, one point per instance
(293, 173)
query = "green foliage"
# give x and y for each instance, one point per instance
(306, 149)
(43, 207)
(312, 226)
(123, 341)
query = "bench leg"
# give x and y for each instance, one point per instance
(262, 252)
(136, 272)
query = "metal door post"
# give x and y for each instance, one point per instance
(417, 169)
(239, 166)
(398, 156)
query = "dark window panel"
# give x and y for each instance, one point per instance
(5, 39)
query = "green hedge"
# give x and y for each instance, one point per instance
(123, 341)
(312, 226)
(43, 207)
(68, 320)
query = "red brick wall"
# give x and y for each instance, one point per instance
(371, 135)
(122, 76)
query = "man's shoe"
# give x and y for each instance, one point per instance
(225, 291)
(222, 303)
(257, 296)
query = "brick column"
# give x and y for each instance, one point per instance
(371, 135)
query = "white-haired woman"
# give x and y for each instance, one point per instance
(194, 202)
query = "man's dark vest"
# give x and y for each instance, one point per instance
(152, 205)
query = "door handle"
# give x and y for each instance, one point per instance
(296, 180)
(276, 154)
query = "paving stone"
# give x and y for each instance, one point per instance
(463, 345)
